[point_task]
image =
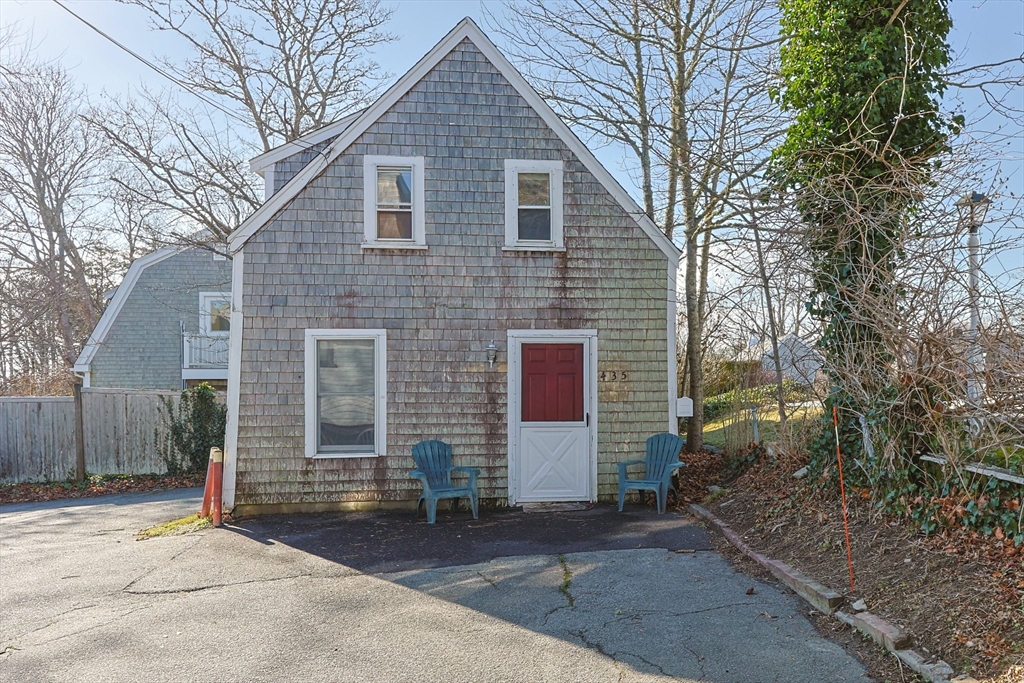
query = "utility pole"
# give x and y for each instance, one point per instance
(973, 208)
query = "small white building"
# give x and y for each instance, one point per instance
(801, 362)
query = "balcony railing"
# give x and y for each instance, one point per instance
(202, 351)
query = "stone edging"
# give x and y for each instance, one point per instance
(827, 601)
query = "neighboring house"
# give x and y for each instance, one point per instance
(165, 327)
(800, 361)
(450, 263)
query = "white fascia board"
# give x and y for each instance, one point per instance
(234, 377)
(99, 333)
(268, 181)
(673, 366)
(310, 139)
(466, 29)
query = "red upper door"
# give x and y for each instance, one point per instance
(552, 382)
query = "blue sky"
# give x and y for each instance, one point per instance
(984, 31)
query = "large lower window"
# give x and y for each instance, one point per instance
(345, 393)
(393, 202)
(533, 205)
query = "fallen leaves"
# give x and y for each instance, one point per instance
(958, 586)
(96, 485)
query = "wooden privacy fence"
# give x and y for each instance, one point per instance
(124, 433)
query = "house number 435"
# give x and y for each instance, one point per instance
(613, 376)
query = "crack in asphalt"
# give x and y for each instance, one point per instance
(598, 648)
(91, 628)
(563, 589)
(51, 620)
(552, 611)
(197, 589)
(152, 569)
(698, 657)
(634, 613)
(643, 659)
(494, 584)
(566, 581)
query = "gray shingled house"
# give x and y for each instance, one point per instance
(450, 263)
(166, 325)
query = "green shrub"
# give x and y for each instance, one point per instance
(721, 405)
(193, 428)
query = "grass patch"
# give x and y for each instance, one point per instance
(176, 527)
(735, 429)
(566, 581)
(765, 394)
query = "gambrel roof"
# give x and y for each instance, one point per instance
(350, 128)
(121, 294)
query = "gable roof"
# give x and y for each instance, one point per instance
(99, 333)
(465, 30)
(311, 139)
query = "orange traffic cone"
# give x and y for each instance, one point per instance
(204, 511)
(217, 462)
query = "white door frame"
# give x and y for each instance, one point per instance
(516, 339)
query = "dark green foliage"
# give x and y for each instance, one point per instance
(935, 502)
(863, 83)
(931, 497)
(194, 427)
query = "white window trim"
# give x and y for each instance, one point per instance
(204, 313)
(380, 378)
(419, 237)
(513, 167)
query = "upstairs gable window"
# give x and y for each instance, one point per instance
(393, 202)
(534, 208)
(533, 205)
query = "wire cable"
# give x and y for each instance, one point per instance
(178, 82)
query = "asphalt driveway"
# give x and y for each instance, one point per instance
(571, 596)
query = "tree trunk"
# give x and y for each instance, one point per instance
(773, 332)
(695, 424)
(643, 115)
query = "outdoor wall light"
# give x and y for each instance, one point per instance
(972, 208)
(492, 353)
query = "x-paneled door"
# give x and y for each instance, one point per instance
(552, 416)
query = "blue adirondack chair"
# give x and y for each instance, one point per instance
(434, 470)
(661, 461)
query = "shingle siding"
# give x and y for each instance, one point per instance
(142, 349)
(287, 168)
(441, 307)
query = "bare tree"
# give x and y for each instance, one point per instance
(266, 72)
(683, 86)
(134, 221)
(49, 170)
(182, 162)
